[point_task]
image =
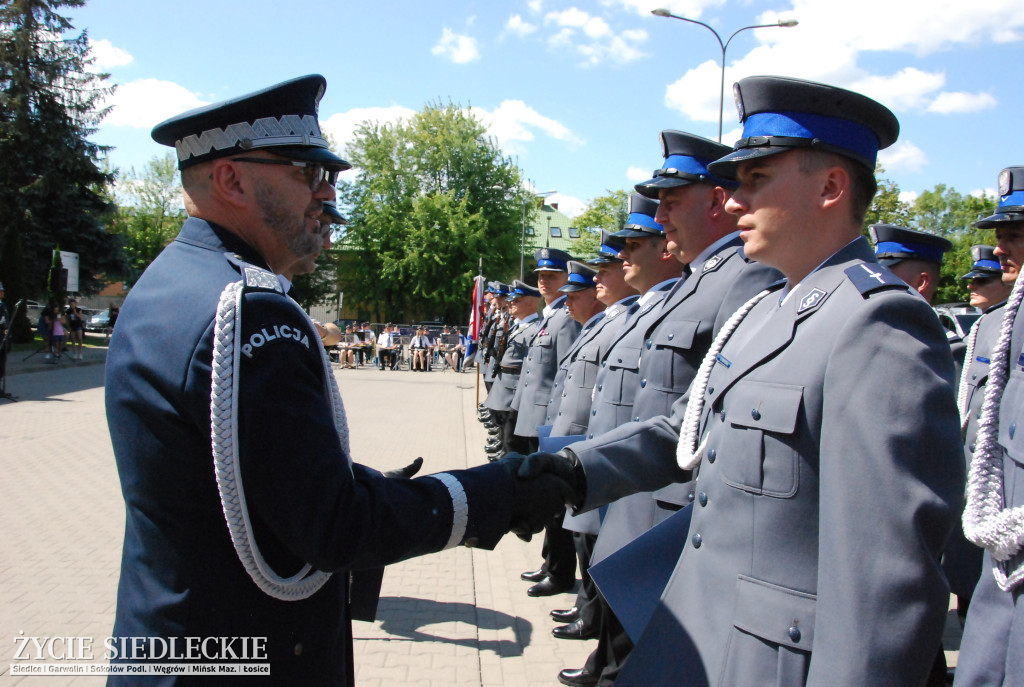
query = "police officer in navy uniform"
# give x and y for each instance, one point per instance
(823, 428)
(994, 633)
(236, 526)
(985, 279)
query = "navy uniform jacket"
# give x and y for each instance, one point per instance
(180, 575)
(572, 394)
(676, 339)
(507, 371)
(824, 498)
(557, 333)
(990, 653)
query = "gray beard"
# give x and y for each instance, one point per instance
(281, 220)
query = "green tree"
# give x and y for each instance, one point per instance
(431, 198)
(150, 212)
(608, 212)
(887, 208)
(52, 187)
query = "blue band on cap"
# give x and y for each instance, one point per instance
(1014, 199)
(922, 251)
(835, 131)
(608, 250)
(580, 279)
(547, 262)
(685, 163)
(988, 264)
(640, 220)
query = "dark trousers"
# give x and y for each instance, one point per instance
(513, 442)
(587, 598)
(613, 647)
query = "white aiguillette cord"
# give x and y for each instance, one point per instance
(224, 414)
(986, 522)
(688, 455)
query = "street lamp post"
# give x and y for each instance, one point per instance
(522, 240)
(789, 23)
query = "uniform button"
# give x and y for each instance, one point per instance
(298, 649)
(563, 394)
(756, 414)
(974, 376)
(671, 336)
(711, 390)
(1013, 429)
(556, 383)
(648, 344)
(643, 383)
(590, 436)
(636, 419)
(712, 454)
(721, 415)
(794, 633)
(971, 448)
(600, 386)
(604, 364)
(703, 498)
(689, 497)
(593, 412)
(697, 540)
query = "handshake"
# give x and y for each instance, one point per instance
(544, 484)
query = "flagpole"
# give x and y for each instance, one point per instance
(476, 313)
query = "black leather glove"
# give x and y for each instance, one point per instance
(406, 472)
(538, 498)
(564, 465)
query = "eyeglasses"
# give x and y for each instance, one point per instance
(315, 173)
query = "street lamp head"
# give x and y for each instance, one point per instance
(661, 12)
(788, 23)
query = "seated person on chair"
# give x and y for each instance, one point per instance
(420, 348)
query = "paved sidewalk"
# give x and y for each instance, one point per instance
(461, 617)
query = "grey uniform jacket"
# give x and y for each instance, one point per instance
(990, 653)
(558, 332)
(824, 498)
(676, 339)
(507, 371)
(572, 393)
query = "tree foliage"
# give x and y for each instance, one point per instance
(432, 197)
(608, 212)
(53, 189)
(149, 214)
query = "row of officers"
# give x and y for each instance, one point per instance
(598, 366)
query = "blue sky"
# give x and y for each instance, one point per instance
(578, 91)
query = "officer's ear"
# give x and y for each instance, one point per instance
(834, 186)
(228, 183)
(716, 202)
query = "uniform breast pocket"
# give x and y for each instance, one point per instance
(585, 374)
(758, 447)
(773, 630)
(623, 366)
(1011, 419)
(545, 348)
(676, 362)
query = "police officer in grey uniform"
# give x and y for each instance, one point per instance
(237, 527)
(823, 426)
(994, 633)
(524, 308)
(702, 236)
(962, 561)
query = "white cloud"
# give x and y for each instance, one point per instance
(459, 48)
(908, 197)
(955, 103)
(638, 174)
(513, 121)
(342, 125)
(691, 9)
(903, 157)
(827, 45)
(107, 56)
(535, 5)
(989, 193)
(570, 206)
(597, 41)
(143, 103)
(519, 27)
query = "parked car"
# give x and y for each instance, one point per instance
(957, 317)
(100, 322)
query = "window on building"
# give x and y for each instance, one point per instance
(556, 232)
(574, 232)
(529, 231)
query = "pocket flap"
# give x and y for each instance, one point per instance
(777, 614)
(625, 357)
(764, 405)
(678, 334)
(587, 354)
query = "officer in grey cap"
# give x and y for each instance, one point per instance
(993, 635)
(985, 281)
(206, 553)
(822, 426)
